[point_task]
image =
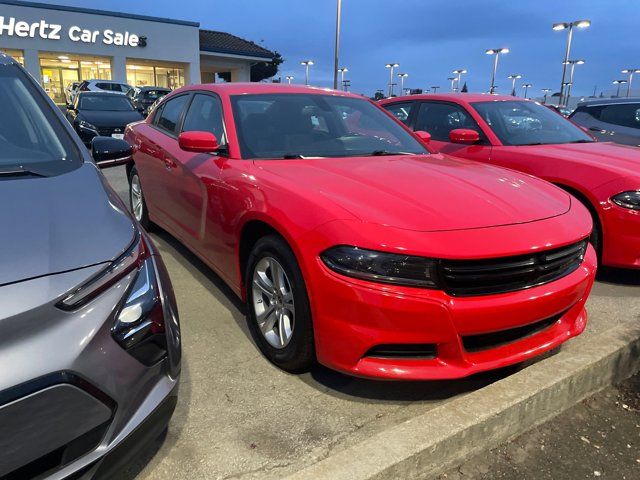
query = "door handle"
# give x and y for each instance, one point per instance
(168, 163)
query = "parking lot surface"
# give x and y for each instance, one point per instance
(240, 417)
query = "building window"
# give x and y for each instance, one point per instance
(59, 71)
(140, 74)
(18, 55)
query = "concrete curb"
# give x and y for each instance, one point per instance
(430, 443)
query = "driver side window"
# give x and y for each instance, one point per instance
(438, 119)
(205, 115)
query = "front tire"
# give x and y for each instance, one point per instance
(137, 203)
(278, 311)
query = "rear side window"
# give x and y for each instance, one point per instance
(105, 86)
(625, 115)
(401, 111)
(438, 119)
(171, 113)
(205, 115)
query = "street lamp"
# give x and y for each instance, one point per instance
(496, 52)
(459, 73)
(289, 78)
(513, 77)
(307, 64)
(453, 82)
(546, 92)
(619, 82)
(526, 89)
(573, 64)
(630, 71)
(563, 26)
(435, 88)
(402, 76)
(391, 66)
(342, 72)
(336, 60)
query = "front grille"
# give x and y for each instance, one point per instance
(485, 341)
(464, 278)
(408, 350)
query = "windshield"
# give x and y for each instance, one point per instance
(313, 125)
(33, 141)
(529, 123)
(105, 102)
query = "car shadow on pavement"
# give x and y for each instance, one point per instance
(619, 276)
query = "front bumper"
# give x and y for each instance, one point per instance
(352, 318)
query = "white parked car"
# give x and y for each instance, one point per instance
(100, 86)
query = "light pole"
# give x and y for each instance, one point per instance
(336, 60)
(435, 88)
(342, 71)
(458, 73)
(526, 89)
(569, 26)
(513, 77)
(630, 71)
(573, 64)
(307, 64)
(618, 83)
(391, 66)
(453, 82)
(402, 76)
(546, 92)
(496, 52)
(289, 78)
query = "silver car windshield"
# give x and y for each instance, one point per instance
(32, 138)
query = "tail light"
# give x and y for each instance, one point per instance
(139, 323)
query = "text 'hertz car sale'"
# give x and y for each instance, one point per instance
(352, 244)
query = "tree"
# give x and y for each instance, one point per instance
(379, 95)
(263, 70)
(464, 88)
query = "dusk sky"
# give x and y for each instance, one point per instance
(428, 38)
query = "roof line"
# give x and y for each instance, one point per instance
(240, 53)
(92, 11)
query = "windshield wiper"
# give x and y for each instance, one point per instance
(20, 172)
(582, 140)
(381, 153)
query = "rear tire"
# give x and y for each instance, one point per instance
(278, 311)
(137, 203)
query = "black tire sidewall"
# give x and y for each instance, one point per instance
(144, 221)
(299, 354)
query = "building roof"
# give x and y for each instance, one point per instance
(91, 11)
(221, 42)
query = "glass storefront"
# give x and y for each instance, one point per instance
(59, 71)
(16, 54)
(141, 73)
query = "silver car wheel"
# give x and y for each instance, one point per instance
(136, 197)
(273, 303)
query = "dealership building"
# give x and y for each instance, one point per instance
(60, 45)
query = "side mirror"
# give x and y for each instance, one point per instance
(465, 136)
(425, 137)
(110, 152)
(200, 142)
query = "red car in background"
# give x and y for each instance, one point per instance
(526, 136)
(350, 243)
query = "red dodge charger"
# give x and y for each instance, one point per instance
(351, 243)
(526, 136)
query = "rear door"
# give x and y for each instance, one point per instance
(440, 118)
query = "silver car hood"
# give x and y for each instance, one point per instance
(58, 224)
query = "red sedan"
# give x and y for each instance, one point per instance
(352, 244)
(528, 137)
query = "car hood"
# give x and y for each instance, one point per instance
(620, 159)
(109, 119)
(58, 224)
(425, 193)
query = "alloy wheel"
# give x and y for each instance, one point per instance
(136, 197)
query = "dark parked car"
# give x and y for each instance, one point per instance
(89, 331)
(611, 120)
(106, 114)
(143, 97)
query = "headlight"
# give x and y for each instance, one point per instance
(627, 200)
(87, 126)
(381, 267)
(139, 324)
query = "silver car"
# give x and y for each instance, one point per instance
(610, 120)
(89, 332)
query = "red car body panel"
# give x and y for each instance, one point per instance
(431, 206)
(593, 171)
